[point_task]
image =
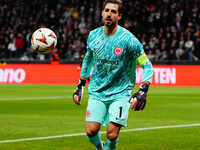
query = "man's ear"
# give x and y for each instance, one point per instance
(120, 16)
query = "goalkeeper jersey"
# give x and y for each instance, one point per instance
(114, 59)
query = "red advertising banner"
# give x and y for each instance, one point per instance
(39, 74)
(169, 75)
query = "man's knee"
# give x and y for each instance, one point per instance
(112, 136)
(92, 128)
(113, 131)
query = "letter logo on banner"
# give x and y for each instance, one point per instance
(165, 75)
(11, 75)
(161, 75)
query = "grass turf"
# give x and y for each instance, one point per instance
(28, 111)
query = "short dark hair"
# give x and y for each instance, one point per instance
(119, 2)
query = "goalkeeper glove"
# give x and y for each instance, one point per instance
(79, 92)
(138, 100)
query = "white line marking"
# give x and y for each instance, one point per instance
(33, 98)
(81, 134)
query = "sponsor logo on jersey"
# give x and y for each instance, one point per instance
(118, 50)
(112, 62)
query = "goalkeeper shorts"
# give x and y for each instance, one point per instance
(104, 112)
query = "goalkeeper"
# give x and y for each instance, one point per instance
(114, 53)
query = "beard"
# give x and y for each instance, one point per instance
(109, 22)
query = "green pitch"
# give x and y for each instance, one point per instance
(33, 111)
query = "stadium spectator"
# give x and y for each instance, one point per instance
(12, 49)
(197, 47)
(179, 52)
(150, 55)
(157, 54)
(20, 45)
(54, 57)
(172, 55)
(164, 55)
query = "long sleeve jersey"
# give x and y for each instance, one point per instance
(114, 59)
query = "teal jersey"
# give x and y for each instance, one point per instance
(114, 59)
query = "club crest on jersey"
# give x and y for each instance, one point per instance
(118, 50)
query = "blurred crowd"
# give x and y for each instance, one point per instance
(168, 30)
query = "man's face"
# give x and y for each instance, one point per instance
(110, 14)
